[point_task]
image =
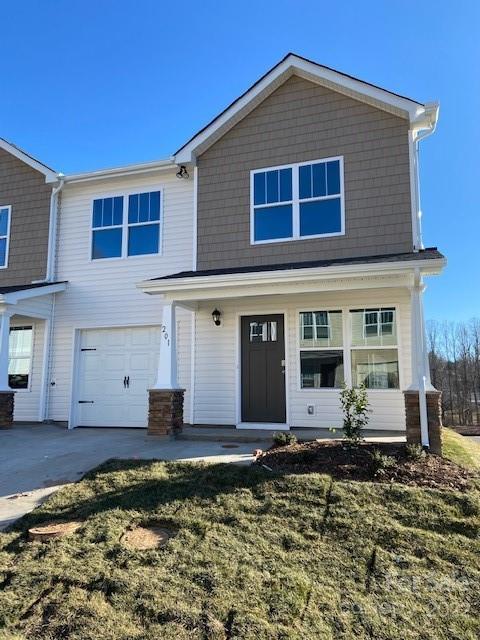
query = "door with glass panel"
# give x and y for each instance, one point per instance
(263, 369)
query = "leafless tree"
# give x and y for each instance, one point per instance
(454, 354)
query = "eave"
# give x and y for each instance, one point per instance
(292, 281)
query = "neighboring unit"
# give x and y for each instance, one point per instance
(28, 200)
(281, 249)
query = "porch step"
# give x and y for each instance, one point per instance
(230, 434)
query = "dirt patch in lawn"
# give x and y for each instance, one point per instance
(147, 537)
(52, 530)
(341, 461)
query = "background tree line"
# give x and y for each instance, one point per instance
(454, 353)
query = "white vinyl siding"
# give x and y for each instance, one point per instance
(103, 293)
(217, 358)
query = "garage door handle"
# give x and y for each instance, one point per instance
(124, 382)
(128, 382)
(86, 401)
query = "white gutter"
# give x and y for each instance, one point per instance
(119, 172)
(52, 231)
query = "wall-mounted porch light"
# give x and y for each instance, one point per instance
(216, 317)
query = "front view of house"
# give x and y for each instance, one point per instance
(277, 256)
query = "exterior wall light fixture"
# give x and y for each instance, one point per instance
(216, 317)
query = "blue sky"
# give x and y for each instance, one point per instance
(88, 84)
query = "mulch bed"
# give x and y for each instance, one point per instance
(343, 462)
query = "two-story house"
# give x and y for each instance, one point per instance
(281, 253)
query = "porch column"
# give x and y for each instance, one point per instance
(165, 413)
(6, 394)
(422, 400)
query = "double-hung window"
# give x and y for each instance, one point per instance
(303, 200)
(321, 349)
(374, 348)
(5, 212)
(124, 226)
(20, 357)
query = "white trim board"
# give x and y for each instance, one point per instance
(50, 174)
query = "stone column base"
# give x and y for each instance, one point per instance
(165, 411)
(6, 409)
(434, 413)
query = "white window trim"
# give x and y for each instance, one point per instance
(295, 202)
(30, 366)
(7, 237)
(347, 348)
(125, 224)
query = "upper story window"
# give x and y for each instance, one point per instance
(5, 212)
(303, 200)
(125, 226)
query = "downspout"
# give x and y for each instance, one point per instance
(421, 130)
(52, 235)
(50, 277)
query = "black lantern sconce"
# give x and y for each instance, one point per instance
(216, 314)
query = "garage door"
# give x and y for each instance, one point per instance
(116, 368)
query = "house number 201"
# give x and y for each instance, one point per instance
(165, 333)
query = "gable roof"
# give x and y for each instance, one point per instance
(292, 64)
(50, 174)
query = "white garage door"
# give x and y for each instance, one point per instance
(117, 367)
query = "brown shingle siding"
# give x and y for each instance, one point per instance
(25, 190)
(302, 121)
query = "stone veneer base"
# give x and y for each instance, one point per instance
(434, 412)
(165, 411)
(7, 403)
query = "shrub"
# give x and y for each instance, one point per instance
(354, 403)
(381, 463)
(284, 438)
(414, 452)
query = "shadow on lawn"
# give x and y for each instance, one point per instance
(129, 485)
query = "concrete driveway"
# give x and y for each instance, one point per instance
(36, 460)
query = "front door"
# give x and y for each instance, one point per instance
(263, 369)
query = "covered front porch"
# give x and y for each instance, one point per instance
(272, 348)
(26, 313)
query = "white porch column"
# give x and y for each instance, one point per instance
(167, 364)
(4, 349)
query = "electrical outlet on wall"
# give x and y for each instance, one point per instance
(310, 409)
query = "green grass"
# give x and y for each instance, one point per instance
(460, 449)
(257, 556)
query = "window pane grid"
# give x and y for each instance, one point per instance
(115, 235)
(303, 200)
(321, 329)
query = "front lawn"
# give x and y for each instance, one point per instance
(256, 555)
(462, 450)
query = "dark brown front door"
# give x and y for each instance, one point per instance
(263, 369)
